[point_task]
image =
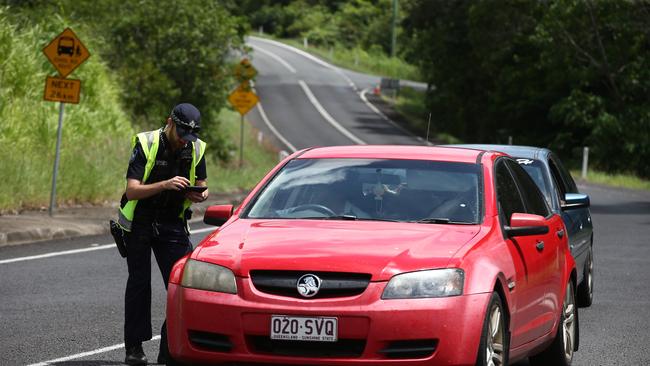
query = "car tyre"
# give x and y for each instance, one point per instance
(172, 362)
(560, 352)
(586, 287)
(495, 341)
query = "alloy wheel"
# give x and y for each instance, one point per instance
(494, 346)
(590, 275)
(568, 322)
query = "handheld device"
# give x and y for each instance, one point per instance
(195, 188)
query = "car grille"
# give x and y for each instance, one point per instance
(343, 348)
(333, 284)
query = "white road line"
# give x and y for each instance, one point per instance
(275, 57)
(83, 250)
(387, 119)
(327, 116)
(310, 57)
(273, 129)
(85, 354)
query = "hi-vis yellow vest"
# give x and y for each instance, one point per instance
(150, 141)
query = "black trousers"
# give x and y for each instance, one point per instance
(169, 241)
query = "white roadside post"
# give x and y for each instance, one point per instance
(585, 161)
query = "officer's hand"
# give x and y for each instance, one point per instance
(197, 196)
(177, 183)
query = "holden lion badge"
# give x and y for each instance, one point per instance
(308, 285)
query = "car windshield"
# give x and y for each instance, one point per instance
(369, 189)
(535, 169)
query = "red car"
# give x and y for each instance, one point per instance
(380, 255)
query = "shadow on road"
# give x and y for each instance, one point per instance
(628, 208)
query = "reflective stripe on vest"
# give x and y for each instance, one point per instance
(150, 141)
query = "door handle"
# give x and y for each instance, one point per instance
(540, 245)
(560, 233)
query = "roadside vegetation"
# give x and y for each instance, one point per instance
(373, 62)
(259, 158)
(562, 74)
(615, 180)
(96, 132)
(146, 56)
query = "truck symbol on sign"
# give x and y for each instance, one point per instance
(65, 46)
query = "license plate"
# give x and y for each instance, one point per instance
(300, 328)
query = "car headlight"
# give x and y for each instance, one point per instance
(423, 284)
(208, 276)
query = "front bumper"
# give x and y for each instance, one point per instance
(211, 327)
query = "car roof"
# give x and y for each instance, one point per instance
(407, 152)
(517, 151)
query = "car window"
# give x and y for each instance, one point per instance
(536, 170)
(400, 190)
(560, 186)
(508, 197)
(533, 199)
(570, 184)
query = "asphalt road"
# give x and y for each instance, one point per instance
(62, 301)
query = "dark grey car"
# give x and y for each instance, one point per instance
(562, 194)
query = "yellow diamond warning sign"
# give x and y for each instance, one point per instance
(243, 98)
(245, 71)
(62, 90)
(66, 52)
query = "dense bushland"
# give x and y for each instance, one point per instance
(563, 74)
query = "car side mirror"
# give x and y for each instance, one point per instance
(522, 224)
(575, 200)
(217, 215)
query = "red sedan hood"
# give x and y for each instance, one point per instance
(381, 249)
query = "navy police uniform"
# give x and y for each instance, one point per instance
(157, 226)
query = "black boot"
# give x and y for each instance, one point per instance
(135, 356)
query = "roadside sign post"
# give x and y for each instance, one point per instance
(66, 53)
(56, 159)
(243, 98)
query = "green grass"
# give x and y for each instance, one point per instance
(615, 180)
(258, 158)
(375, 63)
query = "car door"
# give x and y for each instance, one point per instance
(531, 257)
(549, 245)
(578, 221)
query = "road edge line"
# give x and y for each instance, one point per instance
(327, 116)
(84, 354)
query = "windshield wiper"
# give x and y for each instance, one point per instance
(441, 220)
(378, 219)
(333, 217)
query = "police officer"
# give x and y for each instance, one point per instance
(154, 213)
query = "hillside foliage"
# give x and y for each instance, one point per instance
(561, 74)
